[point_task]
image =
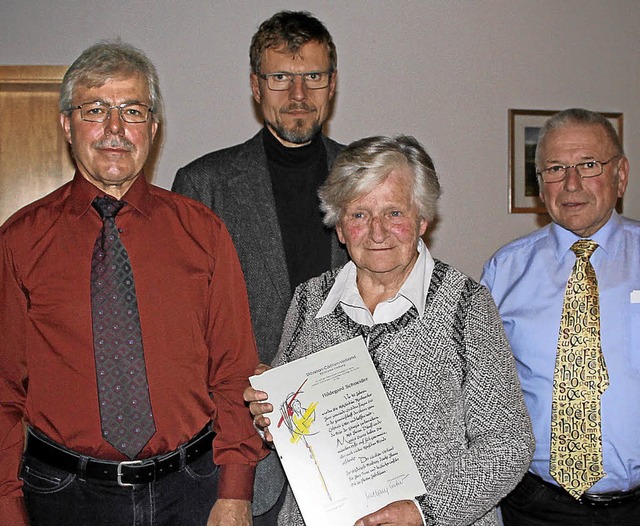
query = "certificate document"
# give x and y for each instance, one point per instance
(337, 436)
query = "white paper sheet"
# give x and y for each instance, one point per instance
(335, 432)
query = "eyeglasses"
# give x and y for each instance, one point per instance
(97, 111)
(557, 172)
(283, 81)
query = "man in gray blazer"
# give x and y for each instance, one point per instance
(265, 190)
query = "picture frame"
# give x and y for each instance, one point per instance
(524, 126)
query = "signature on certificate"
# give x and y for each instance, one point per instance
(392, 483)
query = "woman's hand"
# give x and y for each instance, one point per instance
(258, 407)
(400, 512)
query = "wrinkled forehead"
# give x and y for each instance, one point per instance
(310, 52)
(116, 90)
(396, 179)
(98, 79)
(590, 138)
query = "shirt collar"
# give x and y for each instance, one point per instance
(606, 237)
(416, 286)
(83, 192)
(414, 289)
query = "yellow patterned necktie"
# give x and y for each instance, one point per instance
(579, 379)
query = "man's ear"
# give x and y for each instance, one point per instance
(332, 84)
(65, 122)
(255, 87)
(623, 175)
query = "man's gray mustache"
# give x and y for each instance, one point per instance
(114, 143)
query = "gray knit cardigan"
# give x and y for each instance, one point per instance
(451, 380)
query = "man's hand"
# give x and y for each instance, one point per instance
(230, 512)
(258, 407)
(400, 512)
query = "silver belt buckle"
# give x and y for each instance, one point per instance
(119, 471)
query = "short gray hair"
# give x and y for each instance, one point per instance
(291, 30)
(107, 60)
(365, 163)
(577, 116)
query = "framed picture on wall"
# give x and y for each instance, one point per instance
(524, 126)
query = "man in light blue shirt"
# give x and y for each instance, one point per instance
(582, 171)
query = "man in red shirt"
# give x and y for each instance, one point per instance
(192, 328)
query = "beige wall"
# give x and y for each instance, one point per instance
(446, 72)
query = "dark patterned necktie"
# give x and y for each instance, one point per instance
(580, 378)
(123, 391)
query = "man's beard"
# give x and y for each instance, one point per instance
(301, 131)
(298, 133)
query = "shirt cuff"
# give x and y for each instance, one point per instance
(236, 481)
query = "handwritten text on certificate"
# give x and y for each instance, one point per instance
(335, 432)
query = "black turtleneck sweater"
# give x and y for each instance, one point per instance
(296, 174)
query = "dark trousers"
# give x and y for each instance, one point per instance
(532, 503)
(58, 498)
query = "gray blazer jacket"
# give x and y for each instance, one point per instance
(235, 184)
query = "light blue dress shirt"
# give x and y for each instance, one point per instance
(527, 279)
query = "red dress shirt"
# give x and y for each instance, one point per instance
(198, 342)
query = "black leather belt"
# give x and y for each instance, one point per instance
(125, 473)
(612, 498)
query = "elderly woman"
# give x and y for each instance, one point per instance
(434, 335)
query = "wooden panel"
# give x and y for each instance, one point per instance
(34, 155)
